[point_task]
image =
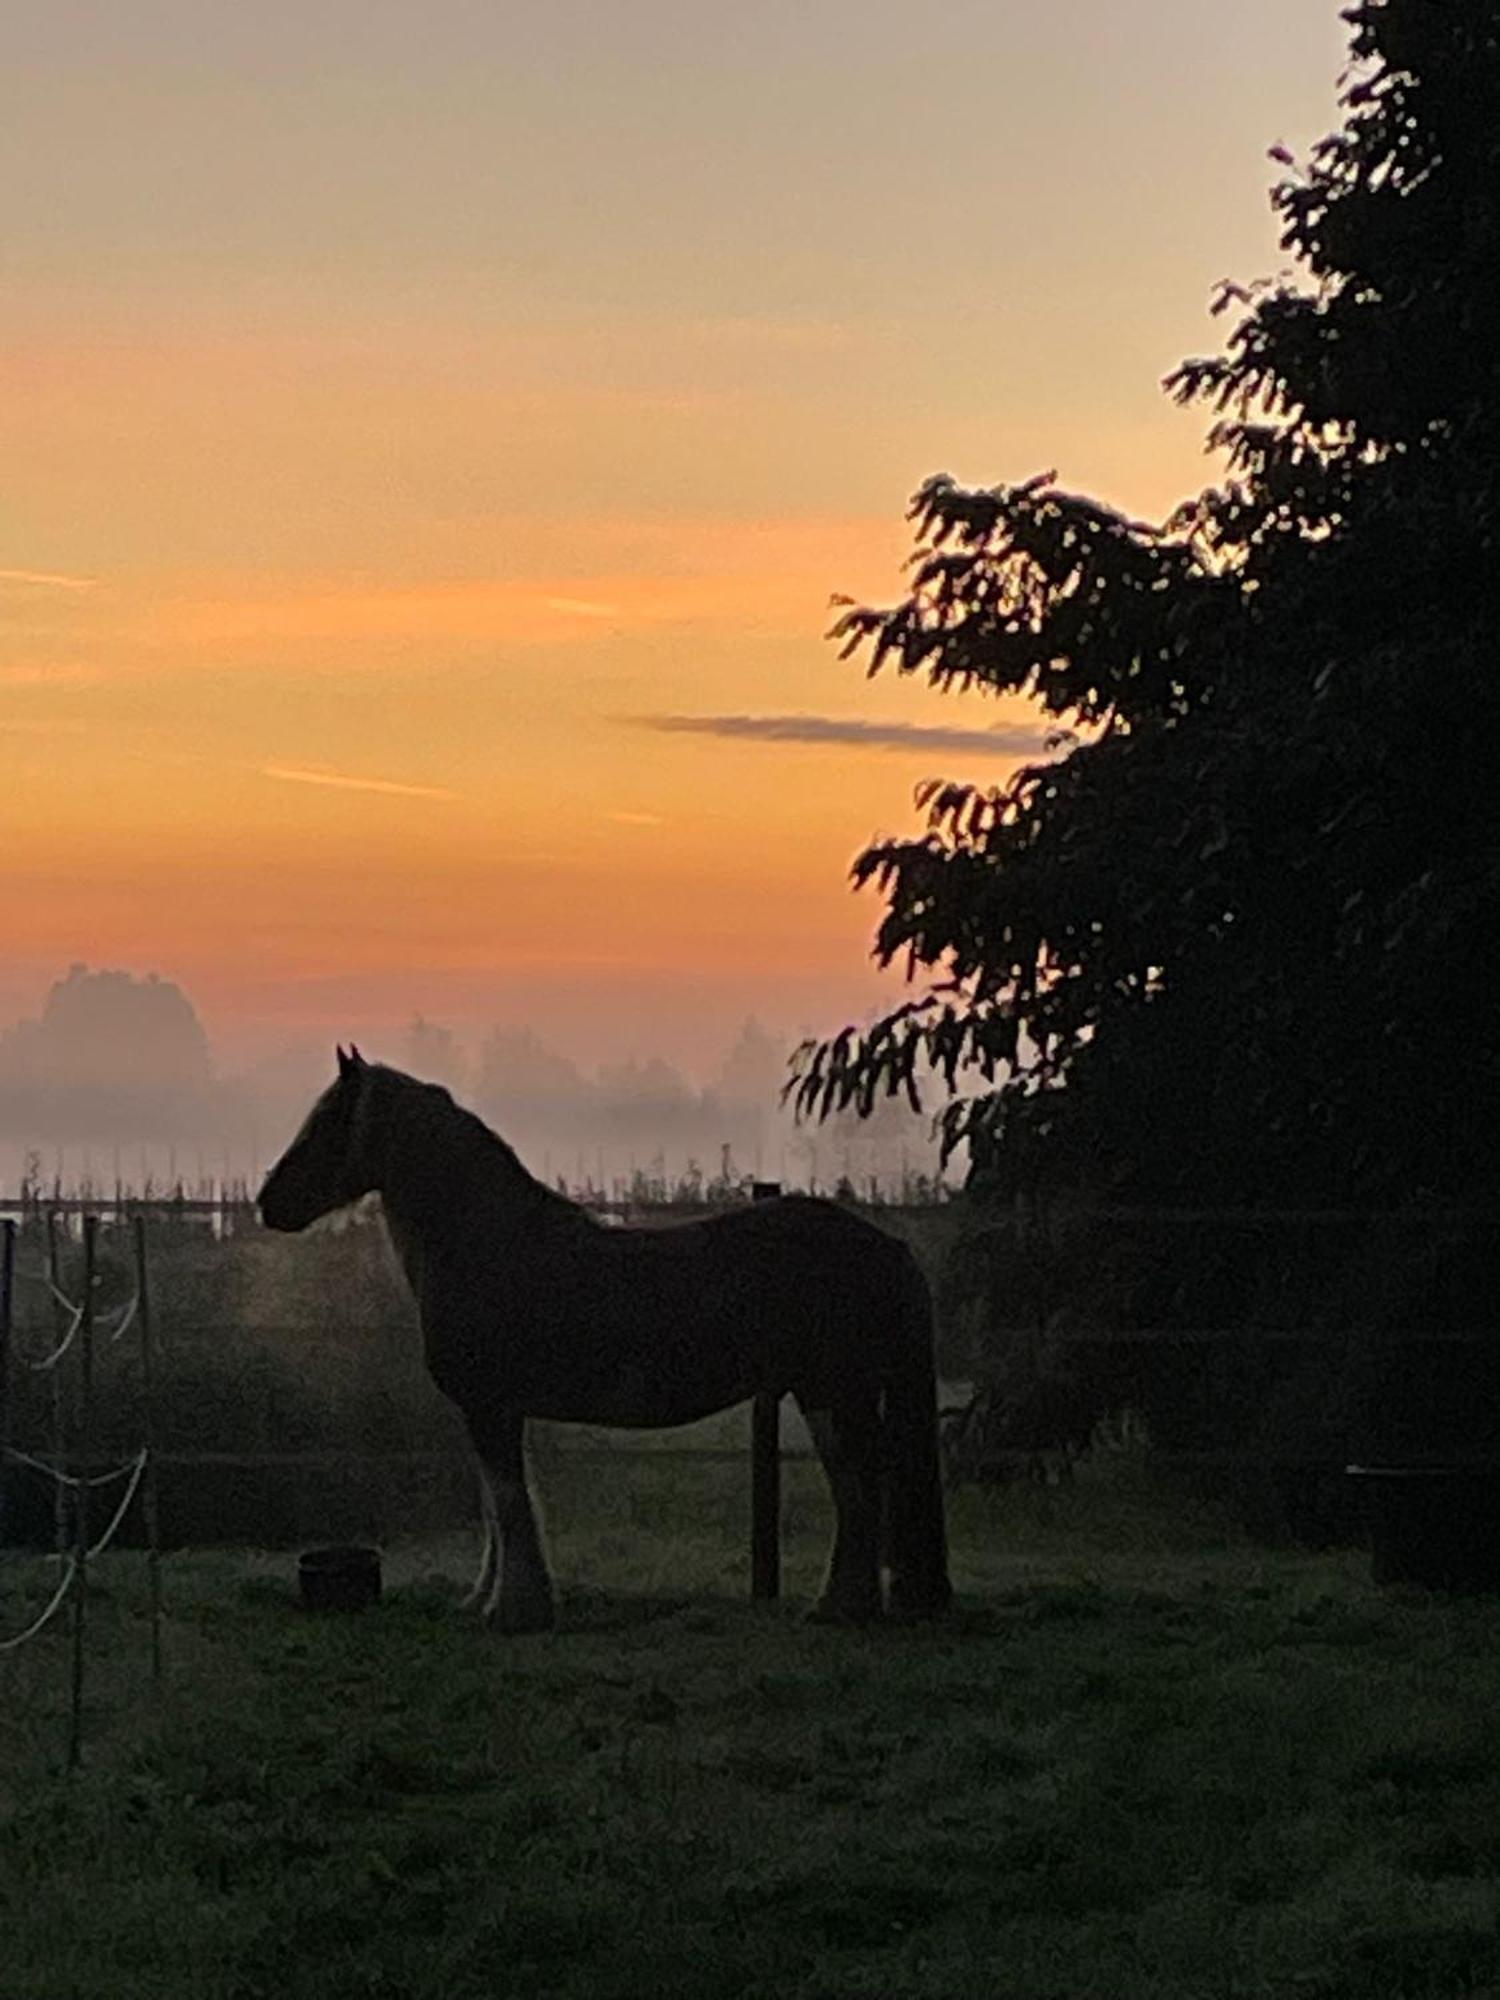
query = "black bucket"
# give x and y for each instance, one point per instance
(339, 1579)
(1434, 1525)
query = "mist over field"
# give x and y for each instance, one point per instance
(114, 1077)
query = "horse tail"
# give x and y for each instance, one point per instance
(916, 1541)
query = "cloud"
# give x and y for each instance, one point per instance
(294, 774)
(582, 607)
(635, 573)
(43, 579)
(636, 819)
(1009, 740)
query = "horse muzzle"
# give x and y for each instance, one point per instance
(280, 1209)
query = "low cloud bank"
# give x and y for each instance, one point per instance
(1007, 740)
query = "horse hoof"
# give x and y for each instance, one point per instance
(910, 1606)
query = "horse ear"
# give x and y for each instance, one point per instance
(346, 1062)
(356, 1060)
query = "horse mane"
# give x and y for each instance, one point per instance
(461, 1131)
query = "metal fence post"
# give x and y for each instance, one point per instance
(56, 1401)
(7, 1289)
(81, 1493)
(148, 1396)
(765, 1472)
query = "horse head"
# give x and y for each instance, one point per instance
(333, 1160)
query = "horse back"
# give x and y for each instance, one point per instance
(663, 1324)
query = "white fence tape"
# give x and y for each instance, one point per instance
(135, 1469)
(51, 1360)
(62, 1478)
(111, 1334)
(124, 1507)
(44, 1618)
(127, 1315)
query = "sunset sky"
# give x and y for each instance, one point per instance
(432, 435)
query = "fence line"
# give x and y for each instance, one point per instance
(1064, 1336)
(727, 1455)
(71, 1569)
(77, 1325)
(73, 1587)
(1051, 1222)
(44, 1619)
(68, 1478)
(1023, 1211)
(792, 1453)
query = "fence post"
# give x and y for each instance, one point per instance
(765, 1472)
(7, 1290)
(81, 1493)
(148, 1397)
(55, 1397)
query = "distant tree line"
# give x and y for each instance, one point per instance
(109, 1057)
(642, 1120)
(117, 1068)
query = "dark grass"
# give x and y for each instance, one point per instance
(1142, 1759)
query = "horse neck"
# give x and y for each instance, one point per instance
(443, 1168)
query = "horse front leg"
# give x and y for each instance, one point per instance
(518, 1588)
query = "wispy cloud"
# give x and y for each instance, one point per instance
(583, 607)
(1008, 740)
(720, 571)
(636, 819)
(45, 579)
(297, 774)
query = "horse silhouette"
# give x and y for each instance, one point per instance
(530, 1307)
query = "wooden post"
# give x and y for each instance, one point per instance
(81, 1493)
(7, 1292)
(55, 1389)
(148, 1396)
(765, 1473)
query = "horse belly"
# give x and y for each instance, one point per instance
(632, 1406)
(642, 1392)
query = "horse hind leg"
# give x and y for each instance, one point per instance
(489, 1556)
(517, 1589)
(847, 1440)
(914, 1528)
(914, 1534)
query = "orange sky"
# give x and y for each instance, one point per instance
(426, 471)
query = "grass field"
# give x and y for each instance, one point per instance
(1142, 1759)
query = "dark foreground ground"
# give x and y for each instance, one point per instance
(1142, 1759)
